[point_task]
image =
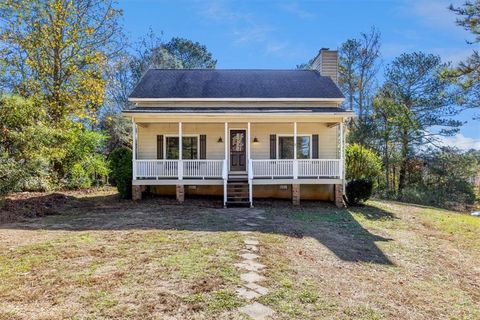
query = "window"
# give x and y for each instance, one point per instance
(189, 148)
(286, 147)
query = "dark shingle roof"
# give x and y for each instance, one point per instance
(215, 83)
(236, 110)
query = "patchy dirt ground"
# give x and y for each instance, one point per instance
(87, 255)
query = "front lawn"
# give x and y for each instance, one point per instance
(94, 257)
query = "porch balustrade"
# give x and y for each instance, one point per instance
(217, 169)
(178, 169)
(304, 168)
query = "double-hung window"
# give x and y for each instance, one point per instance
(189, 147)
(286, 147)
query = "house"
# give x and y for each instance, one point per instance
(240, 134)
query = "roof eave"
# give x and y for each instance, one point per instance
(128, 113)
(137, 100)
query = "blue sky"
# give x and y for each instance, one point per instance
(281, 34)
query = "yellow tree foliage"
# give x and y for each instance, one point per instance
(56, 52)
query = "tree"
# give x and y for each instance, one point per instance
(191, 55)
(386, 127)
(55, 51)
(469, 70)
(358, 67)
(426, 99)
(445, 182)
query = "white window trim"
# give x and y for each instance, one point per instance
(291, 135)
(183, 136)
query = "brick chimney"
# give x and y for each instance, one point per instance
(326, 62)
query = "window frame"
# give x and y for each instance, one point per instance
(183, 136)
(291, 135)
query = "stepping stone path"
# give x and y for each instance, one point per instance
(251, 268)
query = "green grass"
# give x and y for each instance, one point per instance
(171, 262)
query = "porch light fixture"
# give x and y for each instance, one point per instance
(255, 140)
(220, 140)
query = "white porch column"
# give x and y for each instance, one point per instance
(180, 152)
(226, 138)
(295, 162)
(249, 165)
(342, 156)
(225, 165)
(248, 141)
(134, 149)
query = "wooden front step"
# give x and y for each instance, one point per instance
(237, 192)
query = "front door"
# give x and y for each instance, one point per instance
(237, 150)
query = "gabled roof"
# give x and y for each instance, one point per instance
(235, 84)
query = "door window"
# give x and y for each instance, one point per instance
(238, 142)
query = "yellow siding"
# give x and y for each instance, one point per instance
(147, 137)
(327, 138)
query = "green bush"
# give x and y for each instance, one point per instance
(120, 162)
(359, 191)
(92, 170)
(83, 162)
(361, 163)
(453, 195)
(363, 167)
(11, 174)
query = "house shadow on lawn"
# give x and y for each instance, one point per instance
(336, 229)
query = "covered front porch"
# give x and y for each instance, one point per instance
(274, 152)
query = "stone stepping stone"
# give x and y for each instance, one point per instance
(249, 250)
(251, 242)
(260, 217)
(245, 232)
(251, 277)
(249, 256)
(257, 288)
(257, 311)
(250, 265)
(246, 293)
(251, 247)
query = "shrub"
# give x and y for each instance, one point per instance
(11, 174)
(362, 163)
(83, 162)
(92, 170)
(120, 162)
(359, 191)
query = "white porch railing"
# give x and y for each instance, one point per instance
(203, 169)
(305, 168)
(272, 168)
(217, 169)
(319, 168)
(154, 169)
(178, 169)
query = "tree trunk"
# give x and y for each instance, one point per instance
(402, 179)
(387, 169)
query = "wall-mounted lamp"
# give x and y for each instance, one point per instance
(220, 140)
(255, 140)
